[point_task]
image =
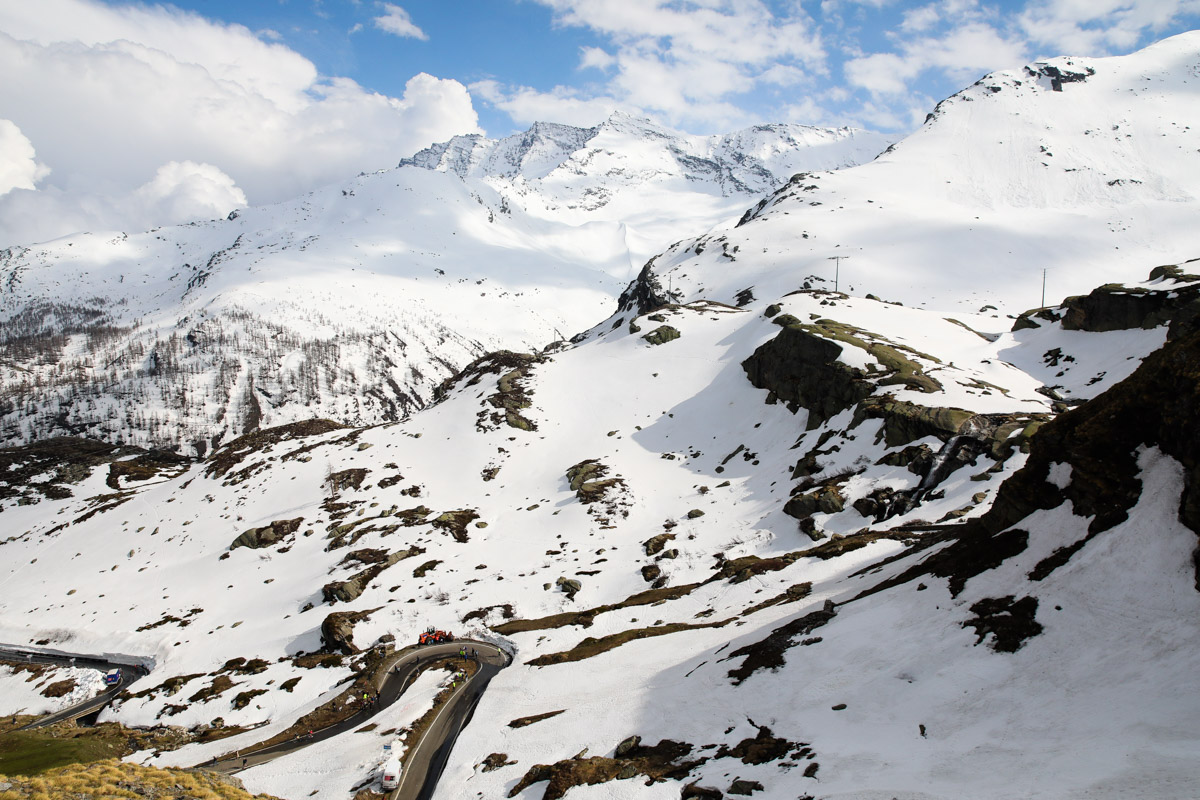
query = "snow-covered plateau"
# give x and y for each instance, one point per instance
(906, 539)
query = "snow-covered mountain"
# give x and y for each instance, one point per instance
(1084, 168)
(798, 542)
(356, 301)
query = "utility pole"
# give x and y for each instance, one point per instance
(837, 269)
(1043, 305)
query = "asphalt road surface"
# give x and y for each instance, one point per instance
(129, 674)
(427, 758)
(425, 762)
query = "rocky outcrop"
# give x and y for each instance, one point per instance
(353, 587)
(587, 480)
(803, 370)
(1116, 307)
(662, 334)
(337, 631)
(644, 294)
(511, 396)
(268, 534)
(1158, 405)
(455, 523)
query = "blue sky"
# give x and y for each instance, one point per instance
(118, 114)
(869, 63)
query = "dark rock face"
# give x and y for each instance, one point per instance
(1158, 405)
(645, 294)
(1059, 76)
(337, 631)
(268, 534)
(455, 523)
(769, 652)
(1114, 307)
(1008, 620)
(803, 370)
(744, 787)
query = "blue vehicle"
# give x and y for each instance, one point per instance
(113, 678)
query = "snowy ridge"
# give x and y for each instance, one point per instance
(353, 302)
(1090, 181)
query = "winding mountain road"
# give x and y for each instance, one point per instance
(129, 673)
(425, 761)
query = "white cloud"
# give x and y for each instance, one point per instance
(527, 105)
(108, 95)
(595, 57)
(395, 20)
(19, 168)
(1095, 27)
(187, 190)
(179, 191)
(921, 18)
(963, 53)
(686, 60)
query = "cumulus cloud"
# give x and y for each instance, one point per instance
(109, 95)
(179, 191)
(961, 54)
(526, 105)
(685, 61)
(19, 168)
(187, 190)
(1099, 26)
(395, 20)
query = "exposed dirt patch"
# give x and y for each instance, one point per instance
(495, 761)
(769, 652)
(506, 611)
(794, 593)
(593, 647)
(584, 618)
(424, 569)
(59, 688)
(66, 460)
(144, 467)
(763, 748)
(663, 761)
(230, 455)
(219, 684)
(521, 722)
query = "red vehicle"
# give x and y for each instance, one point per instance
(431, 636)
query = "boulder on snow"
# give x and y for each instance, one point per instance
(662, 334)
(268, 534)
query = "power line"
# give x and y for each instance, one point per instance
(837, 269)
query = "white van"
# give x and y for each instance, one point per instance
(391, 774)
